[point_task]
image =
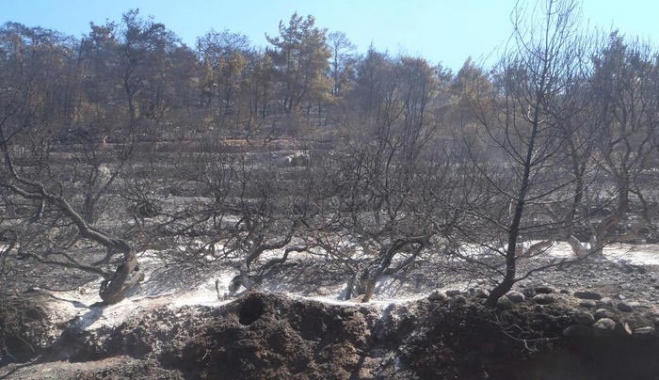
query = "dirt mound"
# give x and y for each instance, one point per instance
(259, 336)
(266, 337)
(269, 336)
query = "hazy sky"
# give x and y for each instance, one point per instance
(442, 31)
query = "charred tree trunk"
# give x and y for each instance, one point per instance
(125, 277)
(513, 231)
(372, 276)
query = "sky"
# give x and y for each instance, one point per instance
(444, 32)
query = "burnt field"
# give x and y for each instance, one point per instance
(371, 215)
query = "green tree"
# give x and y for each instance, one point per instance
(300, 58)
(224, 56)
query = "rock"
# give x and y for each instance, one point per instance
(515, 297)
(504, 303)
(365, 373)
(528, 292)
(564, 291)
(605, 301)
(453, 292)
(590, 304)
(602, 313)
(545, 289)
(578, 331)
(482, 293)
(544, 299)
(583, 318)
(437, 295)
(625, 306)
(643, 332)
(604, 327)
(622, 329)
(459, 300)
(588, 295)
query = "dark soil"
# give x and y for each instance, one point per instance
(23, 327)
(266, 336)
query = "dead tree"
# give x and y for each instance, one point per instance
(516, 146)
(28, 172)
(385, 194)
(625, 81)
(115, 284)
(250, 206)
